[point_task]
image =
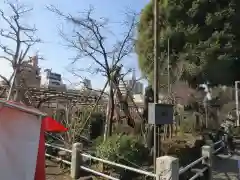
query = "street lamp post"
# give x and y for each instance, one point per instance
(236, 101)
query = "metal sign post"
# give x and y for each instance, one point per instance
(238, 169)
(156, 55)
(158, 115)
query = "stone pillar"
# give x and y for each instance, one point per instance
(76, 160)
(167, 167)
(208, 152)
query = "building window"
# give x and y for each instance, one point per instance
(55, 76)
(56, 83)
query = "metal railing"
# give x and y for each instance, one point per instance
(90, 157)
(180, 171)
(201, 159)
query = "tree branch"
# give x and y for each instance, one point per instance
(89, 39)
(23, 37)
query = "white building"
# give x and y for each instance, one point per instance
(122, 88)
(52, 80)
(135, 87)
(138, 98)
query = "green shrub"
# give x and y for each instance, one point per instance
(236, 131)
(187, 125)
(124, 149)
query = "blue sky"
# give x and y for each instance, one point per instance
(55, 54)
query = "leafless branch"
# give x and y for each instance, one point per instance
(89, 38)
(22, 36)
(91, 41)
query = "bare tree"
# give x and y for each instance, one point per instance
(20, 36)
(90, 39)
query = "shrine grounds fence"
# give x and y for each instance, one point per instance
(167, 167)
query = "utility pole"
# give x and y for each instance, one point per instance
(156, 67)
(236, 101)
(168, 68)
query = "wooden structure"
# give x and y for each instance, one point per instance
(50, 98)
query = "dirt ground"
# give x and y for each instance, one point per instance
(54, 172)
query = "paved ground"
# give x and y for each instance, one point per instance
(225, 167)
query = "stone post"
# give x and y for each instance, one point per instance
(208, 152)
(167, 167)
(76, 160)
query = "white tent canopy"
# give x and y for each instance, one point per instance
(19, 139)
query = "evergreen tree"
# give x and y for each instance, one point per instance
(204, 38)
